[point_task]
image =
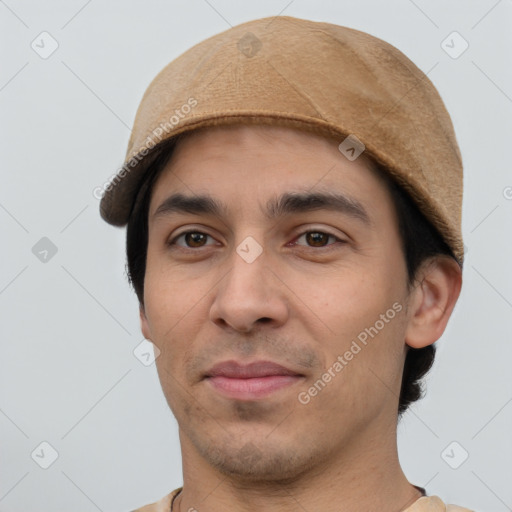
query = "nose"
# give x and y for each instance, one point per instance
(250, 294)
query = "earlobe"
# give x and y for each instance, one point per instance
(144, 325)
(433, 301)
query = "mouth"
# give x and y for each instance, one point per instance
(254, 381)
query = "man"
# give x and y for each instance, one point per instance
(293, 194)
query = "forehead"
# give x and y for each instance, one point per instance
(243, 163)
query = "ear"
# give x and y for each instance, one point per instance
(144, 325)
(432, 301)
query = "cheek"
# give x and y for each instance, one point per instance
(364, 311)
(352, 298)
(175, 312)
(165, 297)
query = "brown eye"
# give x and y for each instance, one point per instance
(318, 238)
(196, 239)
(193, 239)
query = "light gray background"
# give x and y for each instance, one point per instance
(69, 325)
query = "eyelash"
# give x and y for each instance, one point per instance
(326, 248)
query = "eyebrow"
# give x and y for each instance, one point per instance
(286, 204)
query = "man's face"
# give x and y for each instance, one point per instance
(305, 288)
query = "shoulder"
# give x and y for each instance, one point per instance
(163, 504)
(424, 504)
(434, 504)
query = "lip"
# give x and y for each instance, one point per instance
(252, 381)
(235, 370)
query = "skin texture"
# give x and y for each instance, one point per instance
(301, 303)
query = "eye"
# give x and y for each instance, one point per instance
(318, 239)
(196, 238)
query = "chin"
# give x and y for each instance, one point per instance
(257, 461)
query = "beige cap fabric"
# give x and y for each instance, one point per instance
(306, 75)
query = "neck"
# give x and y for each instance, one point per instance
(364, 475)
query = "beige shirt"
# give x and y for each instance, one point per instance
(423, 504)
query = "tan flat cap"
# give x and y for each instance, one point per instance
(307, 75)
